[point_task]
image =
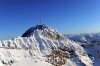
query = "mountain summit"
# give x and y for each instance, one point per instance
(30, 31)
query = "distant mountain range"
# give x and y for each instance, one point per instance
(84, 37)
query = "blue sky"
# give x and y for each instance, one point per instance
(68, 16)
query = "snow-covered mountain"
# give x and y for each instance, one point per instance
(32, 47)
(84, 37)
(90, 42)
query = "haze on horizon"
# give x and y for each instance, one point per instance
(68, 16)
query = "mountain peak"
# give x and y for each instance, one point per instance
(30, 31)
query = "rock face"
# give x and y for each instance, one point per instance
(36, 43)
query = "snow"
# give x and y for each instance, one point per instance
(91, 46)
(94, 57)
(31, 51)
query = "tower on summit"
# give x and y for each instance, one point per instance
(40, 21)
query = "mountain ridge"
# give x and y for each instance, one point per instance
(38, 43)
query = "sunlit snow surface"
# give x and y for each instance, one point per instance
(38, 44)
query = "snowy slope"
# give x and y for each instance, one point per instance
(35, 44)
(90, 43)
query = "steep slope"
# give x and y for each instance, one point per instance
(35, 44)
(90, 43)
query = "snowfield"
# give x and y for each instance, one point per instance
(31, 49)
